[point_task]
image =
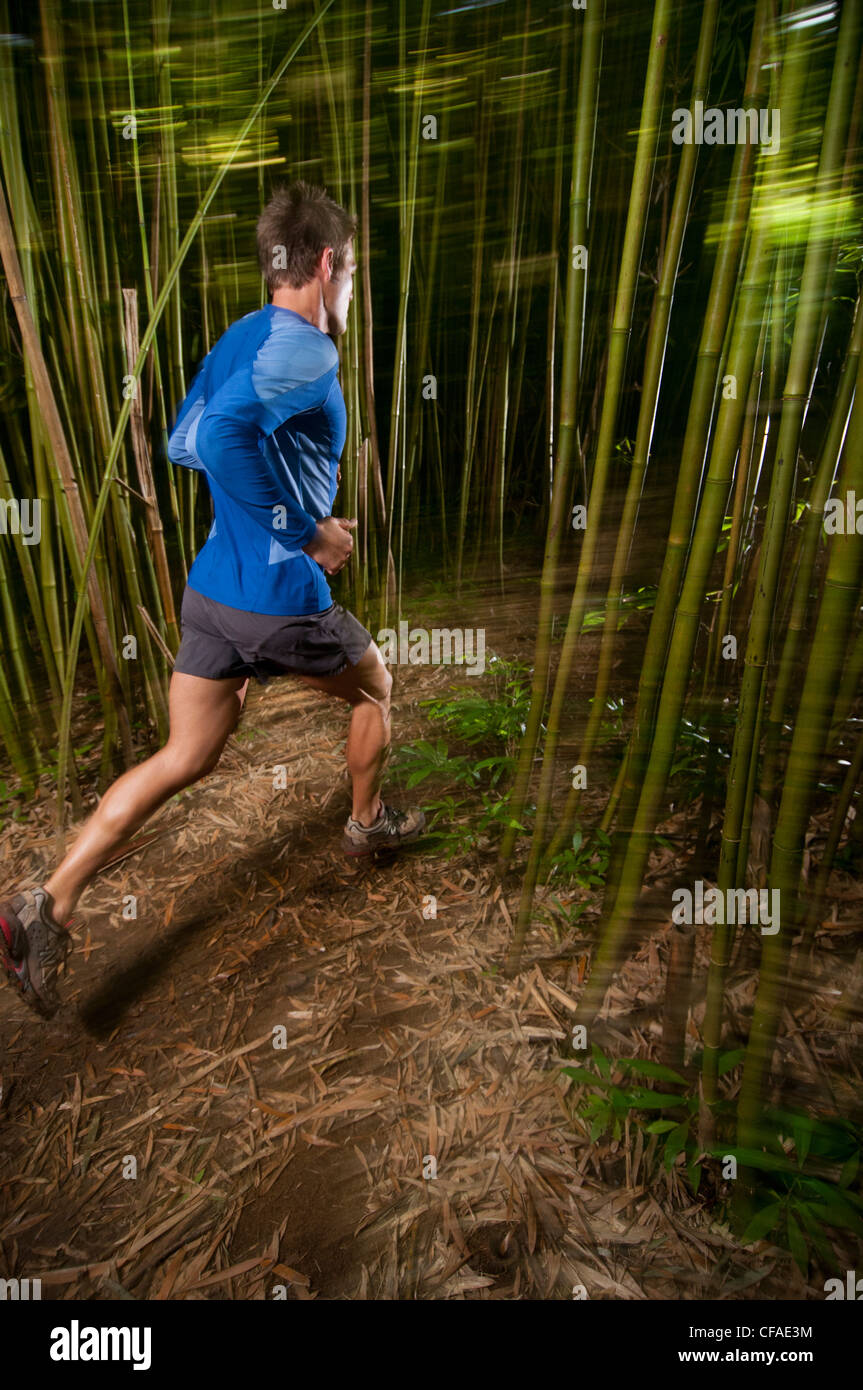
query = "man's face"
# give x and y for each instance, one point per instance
(338, 293)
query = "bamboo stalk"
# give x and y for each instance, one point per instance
(652, 382)
(797, 387)
(808, 743)
(623, 894)
(619, 338)
(60, 451)
(820, 880)
(812, 535)
(155, 529)
(576, 289)
(678, 991)
(710, 355)
(149, 334)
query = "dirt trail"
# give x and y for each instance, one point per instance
(405, 1135)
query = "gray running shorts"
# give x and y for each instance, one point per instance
(219, 641)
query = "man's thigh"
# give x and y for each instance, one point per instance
(204, 712)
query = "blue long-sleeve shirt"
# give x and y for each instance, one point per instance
(265, 421)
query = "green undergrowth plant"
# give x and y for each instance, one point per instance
(692, 769)
(11, 803)
(488, 724)
(581, 866)
(616, 1092)
(806, 1170)
(477, 718)
(584, 862)
(639, 600)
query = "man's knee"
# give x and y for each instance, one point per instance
(386, 687)
(185, 766)
(380, 689)
(378, 682)
(368, 681)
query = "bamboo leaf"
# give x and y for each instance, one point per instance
(644, 1068)
(765, 1221)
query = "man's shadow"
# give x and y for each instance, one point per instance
(111, 998)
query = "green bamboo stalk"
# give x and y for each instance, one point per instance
(851, 678)
(423, 355)
(471, 391)
(651, 386)
(170, 233)
(708, 371)
(54, 431)
(408, 174)
(155, 528)
(105, 490)
(739, 873)
(812, 534)
(717, 671)
(796, 392)
(808, 744)
(508, 336)
(820, 880)
(619, 339)
(14, 657)
(576, 289)
(34, 598)
(334, 120)
(89, 338)
(85, 327)
(365, 267)
(551, 330)
(51, 482)
(616, 926)
(19, 756)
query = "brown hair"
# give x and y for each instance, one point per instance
(297, 224)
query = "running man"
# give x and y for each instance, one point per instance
(265, 422)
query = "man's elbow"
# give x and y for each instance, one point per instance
(177, 447)
(217, 436)
(206, 436)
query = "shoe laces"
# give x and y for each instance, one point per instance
(55, 950)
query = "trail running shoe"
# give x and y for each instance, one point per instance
(391, 830)
(32, 948)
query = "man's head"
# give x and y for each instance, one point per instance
(304, 237)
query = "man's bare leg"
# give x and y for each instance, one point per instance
(367, 688)
(203, 714)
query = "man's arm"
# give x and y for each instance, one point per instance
(181, 445)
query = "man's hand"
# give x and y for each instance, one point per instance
(332, 544)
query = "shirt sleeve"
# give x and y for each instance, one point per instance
(181, 445)
(249, 407)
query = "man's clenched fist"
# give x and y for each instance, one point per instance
(332, 543)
